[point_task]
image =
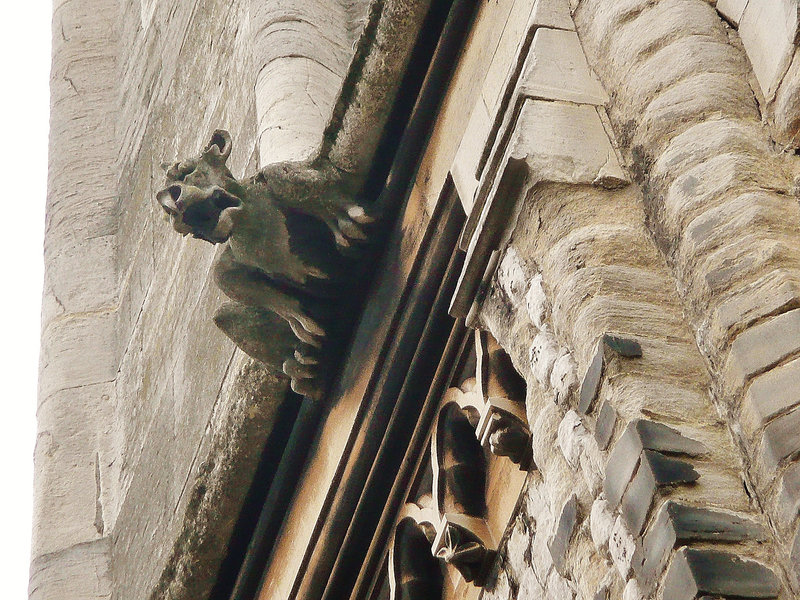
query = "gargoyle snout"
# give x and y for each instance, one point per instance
(170, 200)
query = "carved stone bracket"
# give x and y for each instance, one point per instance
(465, 542)
(288, 233)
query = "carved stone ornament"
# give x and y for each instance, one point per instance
(287, 231)
(414, 573)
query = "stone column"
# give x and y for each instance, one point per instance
(74, 493)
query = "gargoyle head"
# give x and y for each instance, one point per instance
(201, 194)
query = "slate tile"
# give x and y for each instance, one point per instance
(769, 394)
(559, 544)
(696, 572)
(780, 439)
(692, 523)
(625, 347)
(638, 497)
(621, 465)
(761, 346)
(659, 437)
(789, 495)
(590, 385)
(669, 471)
(677, 524)
(604, 429)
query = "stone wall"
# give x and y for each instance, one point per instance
(654, 321)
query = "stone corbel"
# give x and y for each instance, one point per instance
(459, 490)
(503, 424)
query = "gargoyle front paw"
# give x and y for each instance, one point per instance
(306, 329)
(347, 225)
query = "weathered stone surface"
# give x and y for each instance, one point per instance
(786, 106)
(565, 142)
(788, 500)
(732, 10)
(543, 354)
(590, 384)
(606, 421)
(559, 544)
(695, 572)
(761, 346)
(622, 547)
(563, 378)
(780, 439)
(552, 13)
(65, 574)
(769, 394)
(768, 31)
(556, 69)
(767, 296)
(601, 522)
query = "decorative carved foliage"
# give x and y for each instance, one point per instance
(287, 231)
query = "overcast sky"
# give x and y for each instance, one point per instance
(25, 63)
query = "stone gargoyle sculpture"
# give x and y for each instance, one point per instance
(287, 232)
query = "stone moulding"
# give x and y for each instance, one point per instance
(285, 232)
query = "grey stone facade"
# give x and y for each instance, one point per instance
(628, 172)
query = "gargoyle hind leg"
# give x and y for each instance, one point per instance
(253, 288)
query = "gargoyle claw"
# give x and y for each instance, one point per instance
(359, 215)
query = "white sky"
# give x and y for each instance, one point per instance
(24, 102)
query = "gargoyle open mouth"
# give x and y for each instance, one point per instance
(207, 214)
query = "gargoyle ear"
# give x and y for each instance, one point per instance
(220, 144)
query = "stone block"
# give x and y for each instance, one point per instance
(627, 348)
(785, 110)
(543, 354)
(565, 142)
(558, 588)
(788, 499)
(536, 302)
(80, 572)
(556, 69)
(654, 470)
(770, 394)
(563, 378)
(469, 153)
(768, 295)
(78, 350)
(622, 548)
(794, 557)
(552, 13)
(559, 543)
(697, 572)
(601, 522)
(761, 346)
(780, 440)
(768, 31)
(732, 10)
(604, 429)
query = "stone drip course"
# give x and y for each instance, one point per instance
(719, 197)
(669, 478)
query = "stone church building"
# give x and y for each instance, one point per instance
(474, 299)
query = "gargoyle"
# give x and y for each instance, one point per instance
(287, 232)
